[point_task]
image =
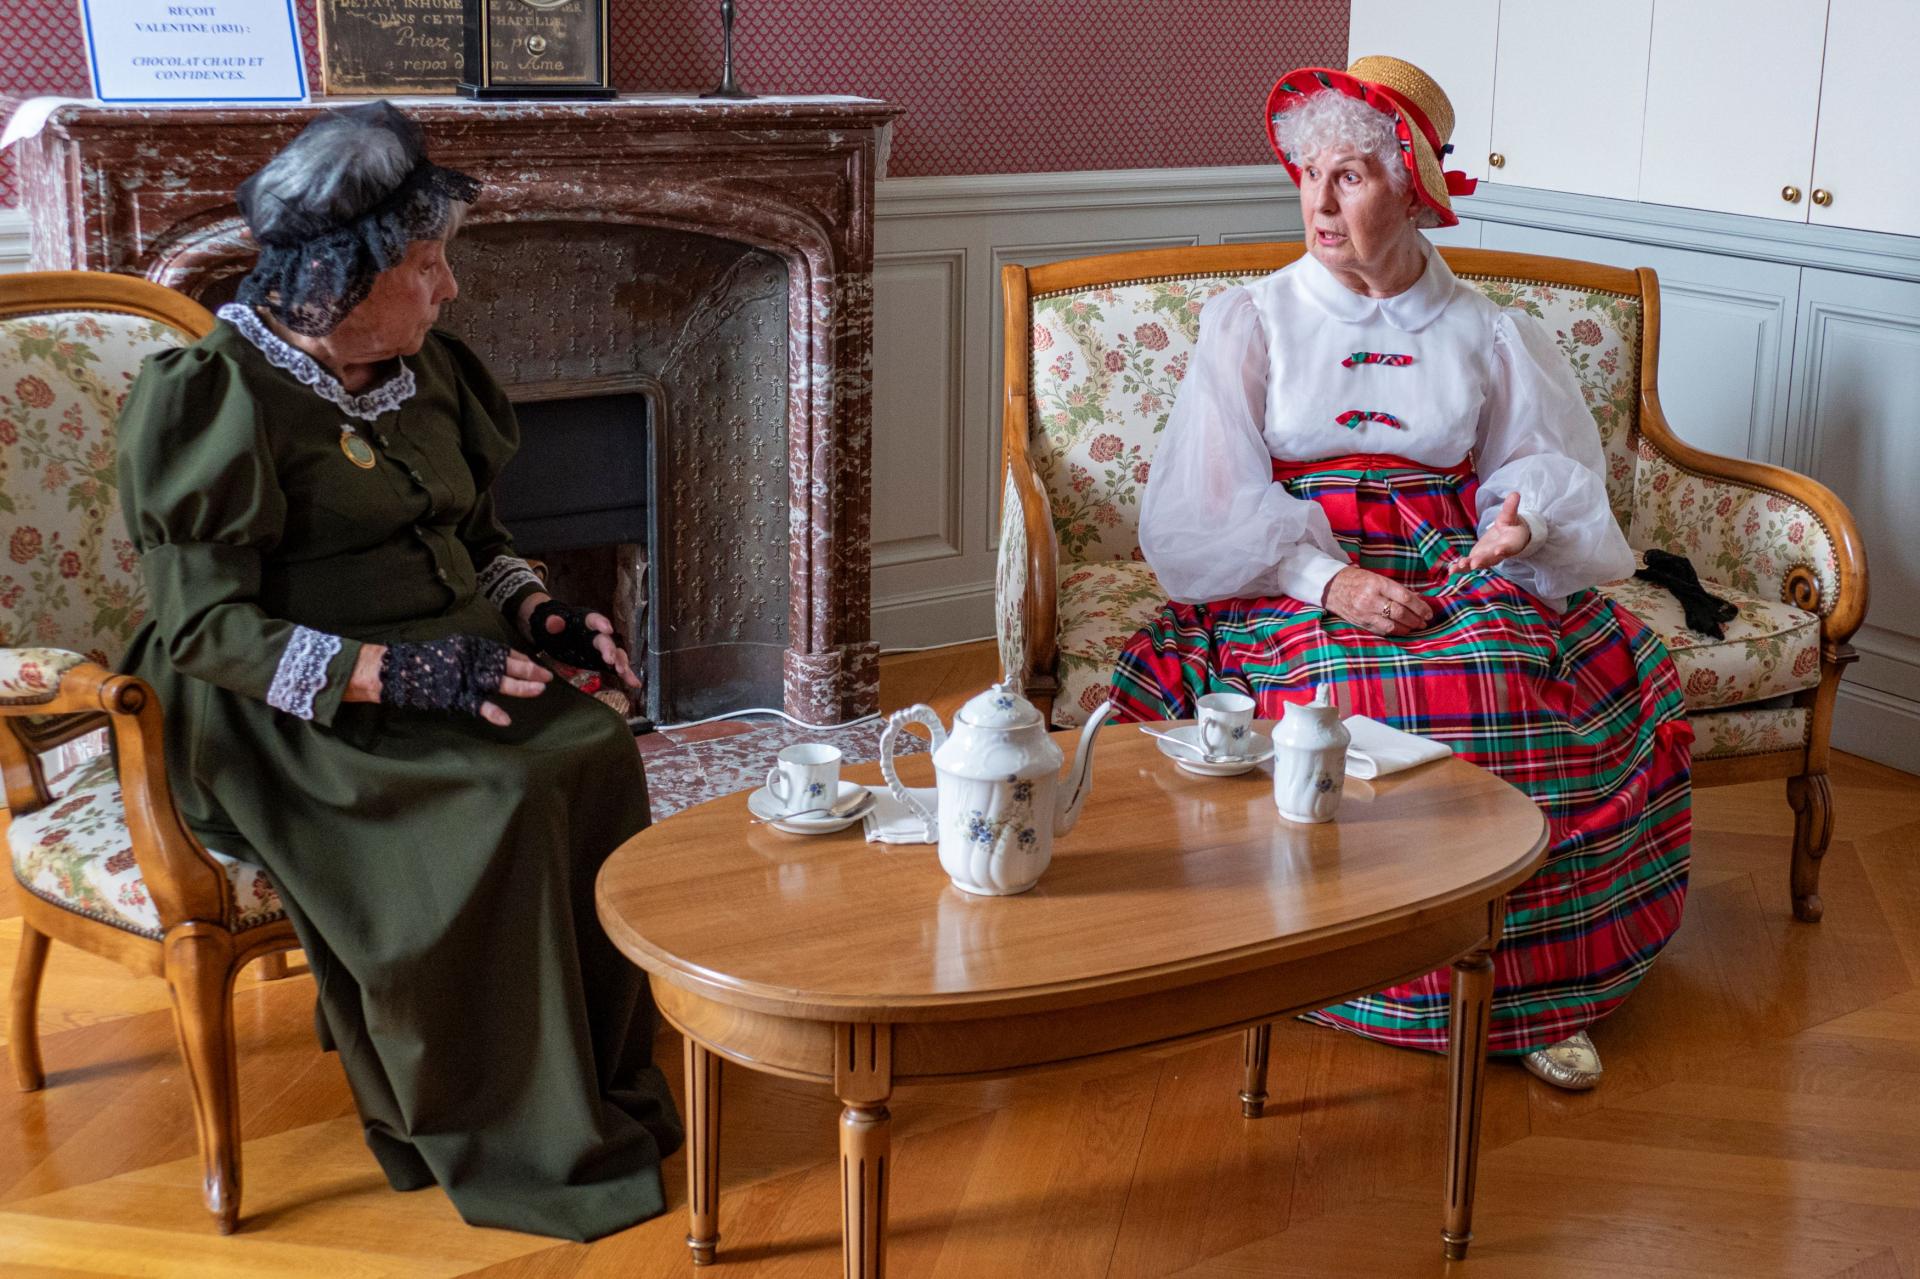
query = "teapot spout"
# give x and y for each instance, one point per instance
(1079, 778)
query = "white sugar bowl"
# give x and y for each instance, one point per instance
(1310, 759)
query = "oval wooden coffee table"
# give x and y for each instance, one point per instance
(1178, 908)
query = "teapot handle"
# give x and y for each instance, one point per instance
(896, 723)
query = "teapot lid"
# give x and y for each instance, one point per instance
(1001, 706)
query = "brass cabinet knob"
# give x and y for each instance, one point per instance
(1822, 198)
(1790, 194)
(1496, 160)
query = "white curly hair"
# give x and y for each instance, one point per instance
(1330, 120)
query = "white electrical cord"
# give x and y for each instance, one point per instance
(765, 710)
(927, 648)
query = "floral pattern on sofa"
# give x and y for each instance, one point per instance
(1101, 605)
(76, 853)
(29, 675)
(1768, 649)
(1748, 538)
(1749, 730)
(70, 577)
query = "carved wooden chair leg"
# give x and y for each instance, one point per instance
(200, 972)
(273, 967)
(24, 1032)
(1257, 1043)
(1812, 799)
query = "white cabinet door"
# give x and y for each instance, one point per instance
(1865, 154)
(1454, 43)
(1570, 92)
(1722, 70)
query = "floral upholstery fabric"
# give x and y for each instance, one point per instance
(1749, 730)
(1010, 586)
(1767, 650)
(1101, 605)
(1749, 538)
(1107, 364)
(30, 675)
(77, 854)
(70, 577)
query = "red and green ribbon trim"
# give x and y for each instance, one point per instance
(1376, 357)
(1352, 419)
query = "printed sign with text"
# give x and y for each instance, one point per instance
(194, 50)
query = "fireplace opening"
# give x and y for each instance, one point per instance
(578, 498)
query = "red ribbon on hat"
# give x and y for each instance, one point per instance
(1458, 183)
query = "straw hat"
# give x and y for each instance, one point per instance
(1423, 116)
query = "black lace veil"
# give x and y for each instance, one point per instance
(338, 205)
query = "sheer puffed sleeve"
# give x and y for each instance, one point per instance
(1213, 524)
(1537, 439)
(489, 437)
(204, 508)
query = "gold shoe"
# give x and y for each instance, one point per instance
(1573, 1063)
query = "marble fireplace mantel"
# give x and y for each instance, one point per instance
(148, 191)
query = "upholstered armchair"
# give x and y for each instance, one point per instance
(100, 857)
(1096, 349)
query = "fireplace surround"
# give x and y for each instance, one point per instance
(713, 257)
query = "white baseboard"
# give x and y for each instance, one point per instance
(1878, 726)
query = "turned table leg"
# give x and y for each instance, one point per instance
(863, 1080)
(703, 1152)
(1258, 1042)
(1471, 1009)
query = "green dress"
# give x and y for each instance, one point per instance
(439, 870)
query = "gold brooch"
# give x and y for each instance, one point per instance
(358, 451)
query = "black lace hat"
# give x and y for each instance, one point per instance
(337, 206)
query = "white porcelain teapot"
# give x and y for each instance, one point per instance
(1000, 799)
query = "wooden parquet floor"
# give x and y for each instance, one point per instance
(1760, 1117)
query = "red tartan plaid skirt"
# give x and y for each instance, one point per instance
(1582, 710)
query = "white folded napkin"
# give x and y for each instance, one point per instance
(1377, 749)
(891, 822)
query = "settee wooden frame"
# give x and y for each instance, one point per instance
(202, 947)
(1804, 768)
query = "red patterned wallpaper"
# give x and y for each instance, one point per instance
(990, 86)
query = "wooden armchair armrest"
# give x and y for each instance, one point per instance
(1759, 528)
(183, 880)
(1026, 577)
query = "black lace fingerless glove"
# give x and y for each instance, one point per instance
(1705, 611)
(454, 674)
(573, 644)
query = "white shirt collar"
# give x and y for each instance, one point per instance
(1409, 311)
(368, 405)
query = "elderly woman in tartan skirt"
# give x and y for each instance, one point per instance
(1376, 479)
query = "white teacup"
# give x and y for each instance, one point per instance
(1226, 725)
(805, 777)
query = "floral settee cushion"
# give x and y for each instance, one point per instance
(1101, 606)
(70, 578)
(77, 854)
(1767, 649)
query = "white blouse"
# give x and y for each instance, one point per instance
(1267, 381)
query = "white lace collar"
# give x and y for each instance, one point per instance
(367, 406)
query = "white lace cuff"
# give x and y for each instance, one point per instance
(504, 578)
(302, 672)
(367, 406)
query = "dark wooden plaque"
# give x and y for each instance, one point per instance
(377, 47)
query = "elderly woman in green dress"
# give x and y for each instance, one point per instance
(339, 635)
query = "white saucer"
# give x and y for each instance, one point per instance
(1259, 751)
(763, 805)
